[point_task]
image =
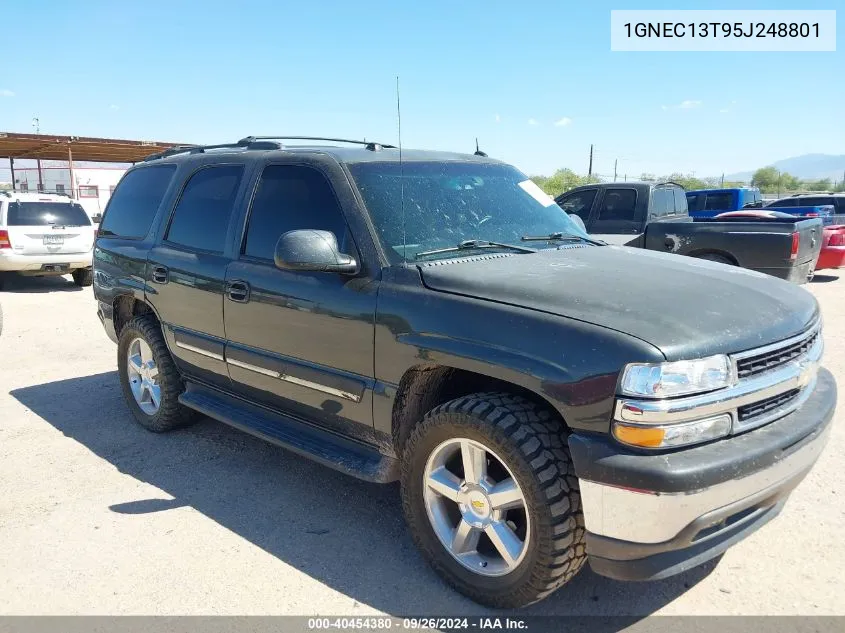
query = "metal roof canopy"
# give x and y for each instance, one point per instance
(78, 148)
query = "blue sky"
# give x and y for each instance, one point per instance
(504, 72)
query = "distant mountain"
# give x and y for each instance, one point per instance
(806, 167)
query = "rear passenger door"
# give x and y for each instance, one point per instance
(186, 270)
(301, 342)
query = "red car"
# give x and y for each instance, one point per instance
(832, 254)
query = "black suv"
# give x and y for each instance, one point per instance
(435, 318)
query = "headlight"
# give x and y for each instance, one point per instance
(678, 378)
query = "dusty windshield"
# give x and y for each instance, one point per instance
(450, 203)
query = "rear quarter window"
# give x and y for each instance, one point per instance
(136, 200)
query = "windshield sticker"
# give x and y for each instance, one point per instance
(530, 187)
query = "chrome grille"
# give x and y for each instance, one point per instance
(763, 361)
(764, 406)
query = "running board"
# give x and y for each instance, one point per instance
(332, 450)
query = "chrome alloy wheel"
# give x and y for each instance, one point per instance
(143, 376)
(476, 507)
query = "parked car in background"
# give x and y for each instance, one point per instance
(543, 399)
(655, 217)
(825, 206)
(832, 253)
(44, 234)
(836, 200)
(706, 203)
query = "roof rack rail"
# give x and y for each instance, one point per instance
(373, 146)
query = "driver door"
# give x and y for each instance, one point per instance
(299, 342)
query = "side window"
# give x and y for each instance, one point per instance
(680, 201)
(579, 203)
(785, 202)
(811, 202)
(662, 203)
(617, 213)
(291, 197)
(133, 206)
(202, 214)
(719, 201)
(694, 201)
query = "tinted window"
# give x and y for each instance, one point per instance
(693, 200)
(719, 201)
(811, 202)
(289, 198)
(785, 202)
(680, 201)
(202, 215)
(46, 214)
(136, 200)
(662, 202)
(579, 203)
(618, 205)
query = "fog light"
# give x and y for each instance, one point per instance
(670, 435)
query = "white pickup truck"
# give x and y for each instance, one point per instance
(44, 234)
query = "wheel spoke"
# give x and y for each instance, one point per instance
(465, 538)
(505, 495)
(475, 462)
(153, 372)
(444, 483)
(505, 541)
(155, 394)
(136, 363)
(146, 352)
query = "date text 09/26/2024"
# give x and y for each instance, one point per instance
(420, 623)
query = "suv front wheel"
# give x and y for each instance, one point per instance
(491, 498)
(148, 376)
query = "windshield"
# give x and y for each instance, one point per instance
(447, 203)
(46, 214)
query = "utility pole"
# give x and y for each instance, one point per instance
(590, 171)
(615, 162)
(37, 125)
(722, 183)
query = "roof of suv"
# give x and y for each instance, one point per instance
(370, 153)
(23, 196)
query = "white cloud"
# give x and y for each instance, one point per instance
(724, 110)
(6, 93)
(114, 107)
(563, 122)
(689, 104)
(498, 119)
(686, 104)
(533, 122)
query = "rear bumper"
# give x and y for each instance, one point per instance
(649, 516)
(798, 274)
(11, 262)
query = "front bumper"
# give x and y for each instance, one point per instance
(9, 262)
(649, 516)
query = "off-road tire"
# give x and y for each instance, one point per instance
(83, 277)
(170, 415)
(531, 441)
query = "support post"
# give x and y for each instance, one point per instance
(70, 168)
(590, 171)
(40, 177)
(12, 169)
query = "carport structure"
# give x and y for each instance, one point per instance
(81, 148)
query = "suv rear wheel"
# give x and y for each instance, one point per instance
(491, 498)
(148, 376)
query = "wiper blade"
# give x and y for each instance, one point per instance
(552, 237)
(473, 245)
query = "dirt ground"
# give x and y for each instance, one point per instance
(98, 516)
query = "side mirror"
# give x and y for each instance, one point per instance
(311, 250)
(577, 219)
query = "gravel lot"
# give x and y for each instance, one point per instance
(98, 516)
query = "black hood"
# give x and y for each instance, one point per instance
(686, 307)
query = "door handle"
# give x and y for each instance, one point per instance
(237, 291)
(160, 274)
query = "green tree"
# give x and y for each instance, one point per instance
(562, 180)
(823, 184)
(771, 180)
